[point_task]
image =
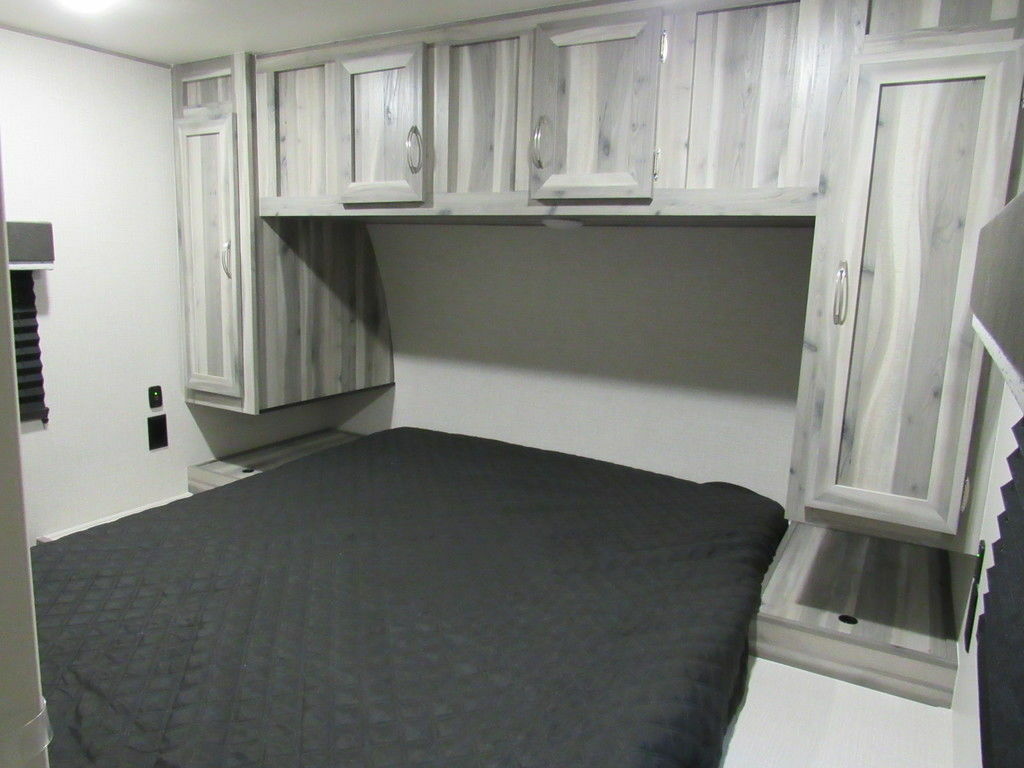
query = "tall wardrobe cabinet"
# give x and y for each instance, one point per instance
(215, 231)
(891, 365)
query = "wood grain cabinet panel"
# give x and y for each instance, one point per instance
(889, 322)
(477, 98)
(594, 107)
(209, 249)
(298, 131)
(906, 287)
(384, 146)
(206, 91)
(323, 321)
(897, 16)
(743, 95)
(743, 87)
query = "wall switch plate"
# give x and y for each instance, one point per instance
(156, 397)
(157, 432)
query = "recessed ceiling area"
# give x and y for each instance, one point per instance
(175, 31)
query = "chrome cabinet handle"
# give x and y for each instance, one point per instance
(225, 263)
(538, 132)
(841, 298)
(410, 138)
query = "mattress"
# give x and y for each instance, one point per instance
(413, 598)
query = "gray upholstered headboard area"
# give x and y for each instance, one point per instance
(997, 300)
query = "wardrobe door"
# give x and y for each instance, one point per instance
(594, 107)
(208, 234)
(384, 149)
(933, 136)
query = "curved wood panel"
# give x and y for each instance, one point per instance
(323, 320)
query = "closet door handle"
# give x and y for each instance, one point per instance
(225, 258)
(841, 299)
(538, 132)
(414, 138)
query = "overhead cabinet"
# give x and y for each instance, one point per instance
(707, 108)
(348, 128)
(275, 312)
(595, 86)
(890, 362)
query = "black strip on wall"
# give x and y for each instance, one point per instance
(28, 359)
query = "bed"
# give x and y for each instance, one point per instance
(413, 598)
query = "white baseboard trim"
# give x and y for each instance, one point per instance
(108, 519)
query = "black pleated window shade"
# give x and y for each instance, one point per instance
(28, 360)
(1001, 629)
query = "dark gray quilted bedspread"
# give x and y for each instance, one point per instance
(410, 599)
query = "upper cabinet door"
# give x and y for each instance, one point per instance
(929, 162)
(594, 107)
(299, 138)
(206, 173)
(385, 150)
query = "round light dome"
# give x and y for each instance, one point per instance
(88, 6)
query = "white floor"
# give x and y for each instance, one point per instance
(796, 719)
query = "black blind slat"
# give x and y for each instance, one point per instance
(28, 357)
(33, 411)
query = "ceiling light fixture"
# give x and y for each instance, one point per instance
(88, 6)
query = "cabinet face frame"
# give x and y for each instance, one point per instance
(229, 383)
(414, 155)
(999, 66)
(548, 176)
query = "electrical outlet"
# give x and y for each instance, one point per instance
(157, 432)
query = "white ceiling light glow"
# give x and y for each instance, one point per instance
(88, 6)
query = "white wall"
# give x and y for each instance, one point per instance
(87, 145)
(674, 349)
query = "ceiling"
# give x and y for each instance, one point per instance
(175, 31)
